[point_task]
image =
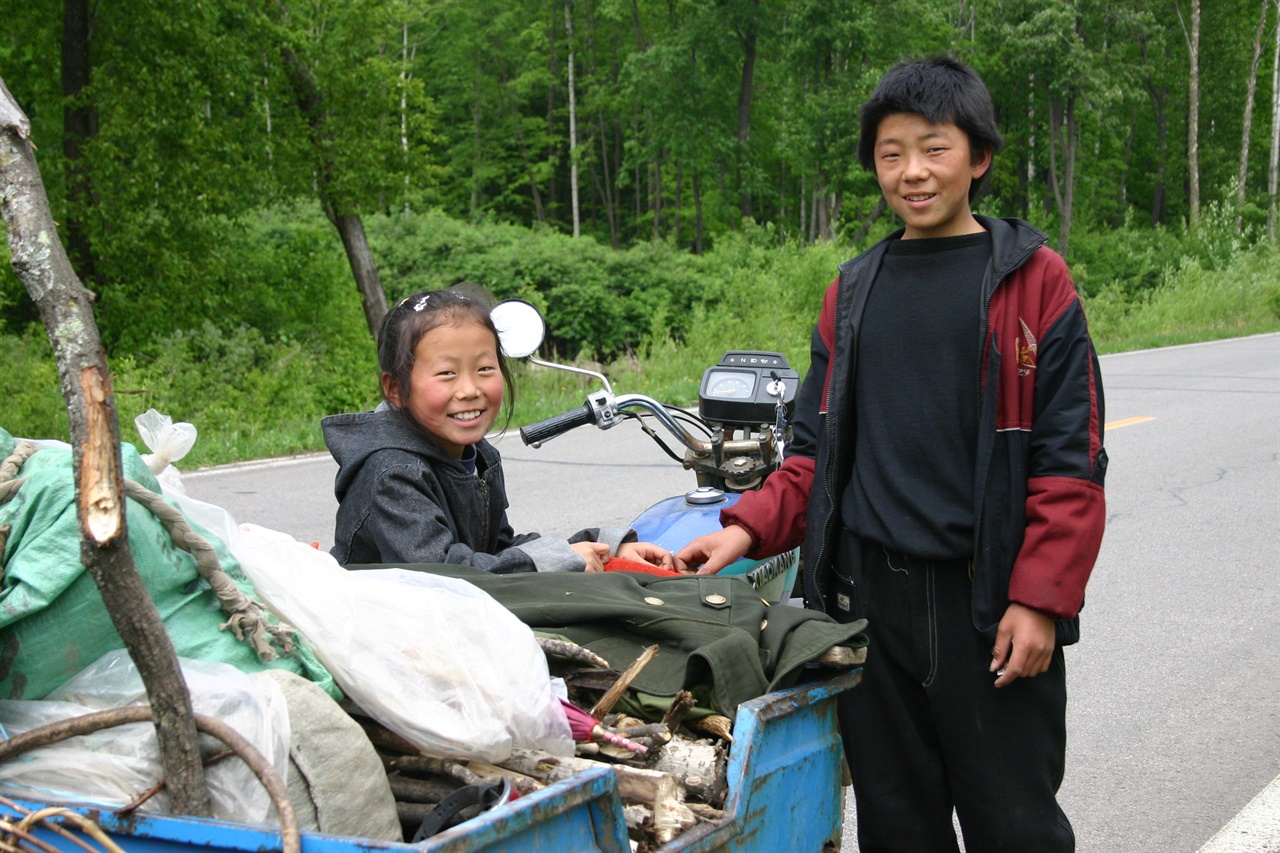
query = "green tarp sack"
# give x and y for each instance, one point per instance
(53, 622)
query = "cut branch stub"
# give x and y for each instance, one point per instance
(101, 485)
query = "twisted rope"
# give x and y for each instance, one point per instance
(246, 618)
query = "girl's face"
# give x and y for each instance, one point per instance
(455, 387)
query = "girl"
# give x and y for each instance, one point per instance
(417, 481)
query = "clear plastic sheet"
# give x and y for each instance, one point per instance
(113, 766)
(434, 659)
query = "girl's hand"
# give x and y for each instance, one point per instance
(646, 552)
(595, 553)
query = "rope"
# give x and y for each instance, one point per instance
(245, 617)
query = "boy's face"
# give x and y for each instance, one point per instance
(924, 171)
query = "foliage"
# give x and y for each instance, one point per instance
(717, 179)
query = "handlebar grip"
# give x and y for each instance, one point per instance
(548, 429)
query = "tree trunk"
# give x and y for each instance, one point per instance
(749, 36)
(607, 191)
(1273, 169)
(65, 307)
(1063, 137)
(1252, 88)
(697, 210)
(539, 210)
(363, 267)
(340, 210)
(573, 124)
(1193, 113)
(80, 125)
(1159, 199)
(865, 227)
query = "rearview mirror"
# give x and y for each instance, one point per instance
(520, 327)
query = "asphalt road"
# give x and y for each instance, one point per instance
(1174, 710)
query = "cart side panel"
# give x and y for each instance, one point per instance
(784, 775)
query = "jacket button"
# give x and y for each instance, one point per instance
(716, 599)
(649, 599)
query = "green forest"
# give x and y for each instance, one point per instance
(247, 184)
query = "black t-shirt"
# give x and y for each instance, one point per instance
(916, 397)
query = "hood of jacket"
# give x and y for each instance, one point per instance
(353, 438)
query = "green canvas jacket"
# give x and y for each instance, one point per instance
(718, 638)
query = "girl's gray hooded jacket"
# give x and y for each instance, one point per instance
(402, 499)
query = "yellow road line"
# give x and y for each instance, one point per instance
(1128, 422)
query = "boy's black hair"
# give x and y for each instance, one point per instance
(942, 89)
(418, 313)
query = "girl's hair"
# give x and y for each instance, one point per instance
(942, 89)
(418, 313)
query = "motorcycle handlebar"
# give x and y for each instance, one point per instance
(545, 430)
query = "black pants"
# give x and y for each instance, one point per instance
(927, 731)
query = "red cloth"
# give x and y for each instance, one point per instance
(618, 564)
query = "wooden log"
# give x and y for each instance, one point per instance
(713, 724)
(679, 708)
(571, 651)
(524, 784)
(842, 656)
(383, 738)
(635, 784)
(410, 790)
(699, 765)
(431, 765)
(670, 815)
(611, 696)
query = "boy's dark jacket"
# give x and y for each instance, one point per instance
(1038, 489)
(402, 499)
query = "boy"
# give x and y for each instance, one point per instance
(945, 476)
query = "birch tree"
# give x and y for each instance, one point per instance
(1251, 89)
(1273, 168)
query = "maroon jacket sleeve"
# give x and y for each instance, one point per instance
(1065, 506)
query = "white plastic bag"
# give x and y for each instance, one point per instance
(113, 766)
(168, 442)
(434, 659)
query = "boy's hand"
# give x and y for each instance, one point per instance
(646, 552)
(713, 551)
(1024, 644)
(595, 553)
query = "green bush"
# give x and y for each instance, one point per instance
(273, 337)
(30, 388)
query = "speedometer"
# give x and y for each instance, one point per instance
(731, 385)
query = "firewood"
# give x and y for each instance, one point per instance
(699, 765)
(706, 812)
(679, 708)
(657, 732)
(590, 679)
(670, 814)
(424, 764)
(524, 784)
(713, 724)
(408, 790)
(412, 814)
(607, 701)
(571, 651)
(635, 784)
(382, 737)
(842, 656)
